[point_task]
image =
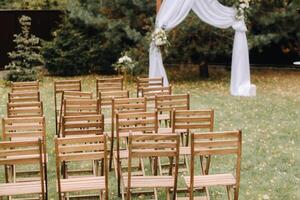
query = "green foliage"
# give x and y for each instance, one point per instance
(96, 32)
(275, 22)
(26, 56)
(32, 4)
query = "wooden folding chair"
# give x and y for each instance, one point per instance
(188, 121)
(23, 97)
(80, 149)
(145, 146)
(24, 129)
(71, 95)
(59, 88)
(165, 104)
(32, 86)
(24, 153)
(136, 123)
(151, 92)
(148, 82)
(215, 144)
(82, 125)
(109, 84)
(27, 109)
(123, 105)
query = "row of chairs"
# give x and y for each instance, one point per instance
(24, 143)
(130, 118)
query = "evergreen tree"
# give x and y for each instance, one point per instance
(26, 56)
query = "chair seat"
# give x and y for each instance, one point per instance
(82, 184)
(169, 130)
(107, 121)
(150, 181)
(185, 151)
(163, 117)
(10, 189)
(125, 134)
(123, 154)
(211, 180)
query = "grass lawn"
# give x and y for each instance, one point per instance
(270, 123)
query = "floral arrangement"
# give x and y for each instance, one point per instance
(160, 37)
(124, 64)
(242, 8)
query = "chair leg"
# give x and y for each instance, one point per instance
(168, 194)
(228, 188)
(111, 153)
(236, 193)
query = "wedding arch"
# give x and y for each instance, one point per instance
(173, 12)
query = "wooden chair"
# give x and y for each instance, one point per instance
(59, 88)
(124, 105)
(32, 86)
(23, 153)
(27, 109)
(23, 97)
(145, 146)
(165, 104)
(82, 125)
(150, 92)
(71, 95)
(79, 149)
(107, 97)
(148, 82)
(215, 144)
(81, 107)
(20, 129)
(186, 121)
(109, 84)
(136, 123)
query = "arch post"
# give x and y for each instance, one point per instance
(158, 4)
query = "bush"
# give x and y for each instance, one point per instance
(26, 57)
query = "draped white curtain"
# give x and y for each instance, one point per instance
(173, 12)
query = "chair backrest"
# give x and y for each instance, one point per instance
(129, 105)
(32, 86)
(151, 92)
(193, 119)
(155, 146)
(67, 85)
(79, 107)
(76, 95)
(216, 144)
(83, 148)
(143, 122)
(28, 128)
(109, 84)
(107, 97)
(82, 125)
(25, 153)
(23, 97)
(148, 82)
(27, 109)
(167, 103)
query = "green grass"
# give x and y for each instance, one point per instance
(270, 123)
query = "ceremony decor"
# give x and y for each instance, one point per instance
(173, 12)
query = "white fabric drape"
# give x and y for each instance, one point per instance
(173, 12)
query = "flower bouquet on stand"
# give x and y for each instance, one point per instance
(124, 66)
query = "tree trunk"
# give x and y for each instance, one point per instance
(203, 70)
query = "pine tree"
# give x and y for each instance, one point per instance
(26, 56)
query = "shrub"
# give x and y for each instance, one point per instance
(26, 57)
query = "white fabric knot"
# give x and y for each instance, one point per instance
(239, 26)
